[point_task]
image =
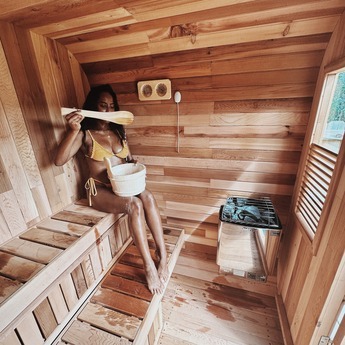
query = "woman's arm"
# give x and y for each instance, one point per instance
(73, 140)
(129, 158)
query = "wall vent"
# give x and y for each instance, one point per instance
(152, 90)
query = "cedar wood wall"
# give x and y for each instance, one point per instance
(241, 132)
(307, 268)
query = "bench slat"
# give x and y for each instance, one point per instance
(122, 303)
(58, 304)
(45, 318)
(83, 334)
(69, 291)
(132, 260)
(128, 287)
(85, 209)
(110, 320)
(78, 218)
(29, 332)
(30, 250)
(129, 272)
(47, 237)
(17, 268)
(8, 287)
(74, 256)
(79, 281)
(124, 291)
(65, 227)
(88, 271)
(10, 339)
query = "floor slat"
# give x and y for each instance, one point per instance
(199, 311)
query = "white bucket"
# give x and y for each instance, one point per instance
(128, 179)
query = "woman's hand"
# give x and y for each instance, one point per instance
(132, 160)
(74, 119)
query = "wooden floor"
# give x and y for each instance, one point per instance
(199, 311)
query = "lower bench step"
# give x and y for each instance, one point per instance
(121, 310)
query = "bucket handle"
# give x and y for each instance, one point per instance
(107, 163)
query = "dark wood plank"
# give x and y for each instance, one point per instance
(8, 287)
(129, 272)
(128, 287)
(120, 302)
(17, 268)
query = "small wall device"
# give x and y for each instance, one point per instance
(152, 90)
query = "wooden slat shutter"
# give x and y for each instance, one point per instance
(314, 187)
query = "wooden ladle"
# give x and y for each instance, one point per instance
(120, 117)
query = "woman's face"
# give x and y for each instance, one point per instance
(105, 102)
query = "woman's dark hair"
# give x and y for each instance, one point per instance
(91, 104)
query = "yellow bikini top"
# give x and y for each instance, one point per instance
(98, 152)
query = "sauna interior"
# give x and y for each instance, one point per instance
(248, 86)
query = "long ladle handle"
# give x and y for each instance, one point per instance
(121, 117)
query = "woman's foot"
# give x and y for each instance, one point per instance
(162, 269)
(154, 282)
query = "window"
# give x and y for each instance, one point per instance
(323, 152)
(332, 116)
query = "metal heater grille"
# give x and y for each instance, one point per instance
(258, 213)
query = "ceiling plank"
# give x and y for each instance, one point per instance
(105, 50)
(84, 24)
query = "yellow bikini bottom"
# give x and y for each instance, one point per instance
(91, 189)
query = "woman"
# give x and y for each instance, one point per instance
(98, 139)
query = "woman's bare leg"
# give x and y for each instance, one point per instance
(154, 223)
(107, 201)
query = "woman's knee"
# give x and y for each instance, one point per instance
(147, 198)
(135, 207)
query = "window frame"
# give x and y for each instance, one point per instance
(318, 128)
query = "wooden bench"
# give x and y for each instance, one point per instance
(51, 270)
(121, 310)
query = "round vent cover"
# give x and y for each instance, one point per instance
(152, 90)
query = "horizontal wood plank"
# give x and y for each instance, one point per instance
(47, 237)
(31, 250)
(116, 301)
(18, 268)
(8, 287)
(82, 333)
(109, 320)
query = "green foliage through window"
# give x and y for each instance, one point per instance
(337, 110)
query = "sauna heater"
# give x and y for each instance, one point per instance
(249, 232)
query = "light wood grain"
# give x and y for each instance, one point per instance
(247, 71)
(31, 250)
(84, 334)
(69, 291)
(29, 332)
(307, 264)
(10, 339)
(110, 320)
(45, 318)
(58, 304)
(72, 229)
(47, 237)
(197, 309)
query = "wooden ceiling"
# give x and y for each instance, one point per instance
(120, 35)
